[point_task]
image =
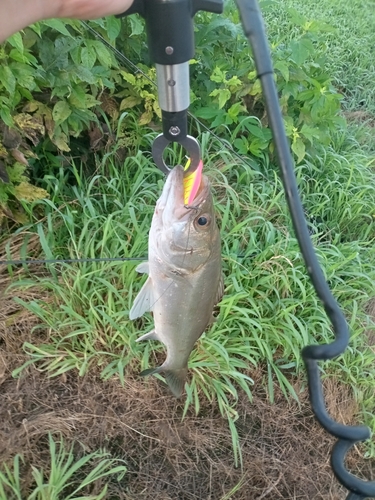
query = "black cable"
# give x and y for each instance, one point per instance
(253, 25)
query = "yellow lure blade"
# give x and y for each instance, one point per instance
(192, 181)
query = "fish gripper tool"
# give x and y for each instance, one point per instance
(170, 35)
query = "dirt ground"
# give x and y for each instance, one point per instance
(285, 453)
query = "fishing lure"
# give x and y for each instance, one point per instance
(192, 181)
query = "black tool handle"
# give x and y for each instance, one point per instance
(169, 26)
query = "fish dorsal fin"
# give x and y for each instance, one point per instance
(220, 290)
(144, 301)
(143, 268)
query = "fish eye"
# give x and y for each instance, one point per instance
(202, 221)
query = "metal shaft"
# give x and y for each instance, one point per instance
(173, 86)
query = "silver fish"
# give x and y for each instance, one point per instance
(184, 275)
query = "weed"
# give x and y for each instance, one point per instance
(269, 311)
(62, 477)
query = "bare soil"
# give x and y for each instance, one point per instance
(285, 453)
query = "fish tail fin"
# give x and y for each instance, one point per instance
(175, 378)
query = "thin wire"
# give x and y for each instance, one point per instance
(100, 259)
(68, 261)
(133, 66)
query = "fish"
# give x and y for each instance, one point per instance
(185, 279)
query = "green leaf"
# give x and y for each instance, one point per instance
(113, 27)
(77, 98)
(16, 42)
(310, 133)
(7, 79)
(85, 74)
(299, 149)
(241, 145)
(296, 17)
(24, 75)
(103, 54)
(235, 110)
(61, 111)
(206, 113)
(255, 131)
(218, 75)
(16, 172)
(6, 116)
(36, 28)
(223, 94)
(283, 67)
(75, 54)
(90, 101)
(57, 25)
(130, 102)
(61, 141)
(301, 50)
(128, 77)
(88, 56)
(136, 25)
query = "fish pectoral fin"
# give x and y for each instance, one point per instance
(148, 336)
(175, 378)
(144, 301)
(144, 267)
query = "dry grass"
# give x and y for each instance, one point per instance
(285, 453)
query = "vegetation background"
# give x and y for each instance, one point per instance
(77, 181)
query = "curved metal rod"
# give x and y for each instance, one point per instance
(189, 143)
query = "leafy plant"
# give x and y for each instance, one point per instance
(15, 190)
(310, 104)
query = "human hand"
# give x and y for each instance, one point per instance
(87, 9)
(16, 14)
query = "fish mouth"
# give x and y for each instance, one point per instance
(171, 202)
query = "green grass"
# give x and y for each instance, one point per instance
(348, 29)
(270, 310)
(68, 477)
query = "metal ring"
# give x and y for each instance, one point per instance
(189, 143)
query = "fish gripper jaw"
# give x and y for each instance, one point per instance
(175, 130)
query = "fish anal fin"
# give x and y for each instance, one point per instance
(148, 336)
(175, 378)
(144, 301)
(151, 371)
